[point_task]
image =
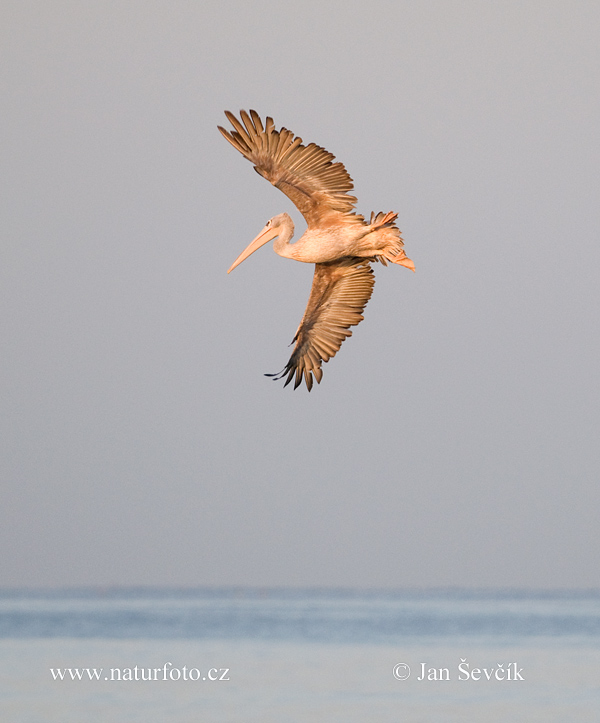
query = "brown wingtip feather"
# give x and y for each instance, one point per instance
(235, 140)
(299, 374)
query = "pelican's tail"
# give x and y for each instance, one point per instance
(392, 245)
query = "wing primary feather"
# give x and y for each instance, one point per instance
(234, 141)
(257, 122)
(252, 132)
(239, 128)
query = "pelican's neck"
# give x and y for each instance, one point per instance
(282, 245)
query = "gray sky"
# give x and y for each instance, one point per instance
(455, 438)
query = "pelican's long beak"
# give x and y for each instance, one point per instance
(263, 237)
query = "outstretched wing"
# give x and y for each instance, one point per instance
(305, 174)
(339, 294)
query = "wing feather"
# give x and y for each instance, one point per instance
(339, 294)
(306, 174)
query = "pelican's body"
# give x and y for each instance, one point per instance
(338, 241)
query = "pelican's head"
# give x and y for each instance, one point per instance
(274, 227)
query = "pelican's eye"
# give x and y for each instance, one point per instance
(268, 223)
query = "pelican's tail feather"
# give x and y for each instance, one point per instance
(392, 245)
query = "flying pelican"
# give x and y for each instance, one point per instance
(338, 241)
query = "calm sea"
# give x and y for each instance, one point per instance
(250, 656)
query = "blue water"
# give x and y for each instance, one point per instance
(298, 655)
(308, 615)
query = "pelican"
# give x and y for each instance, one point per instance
(340, 243)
